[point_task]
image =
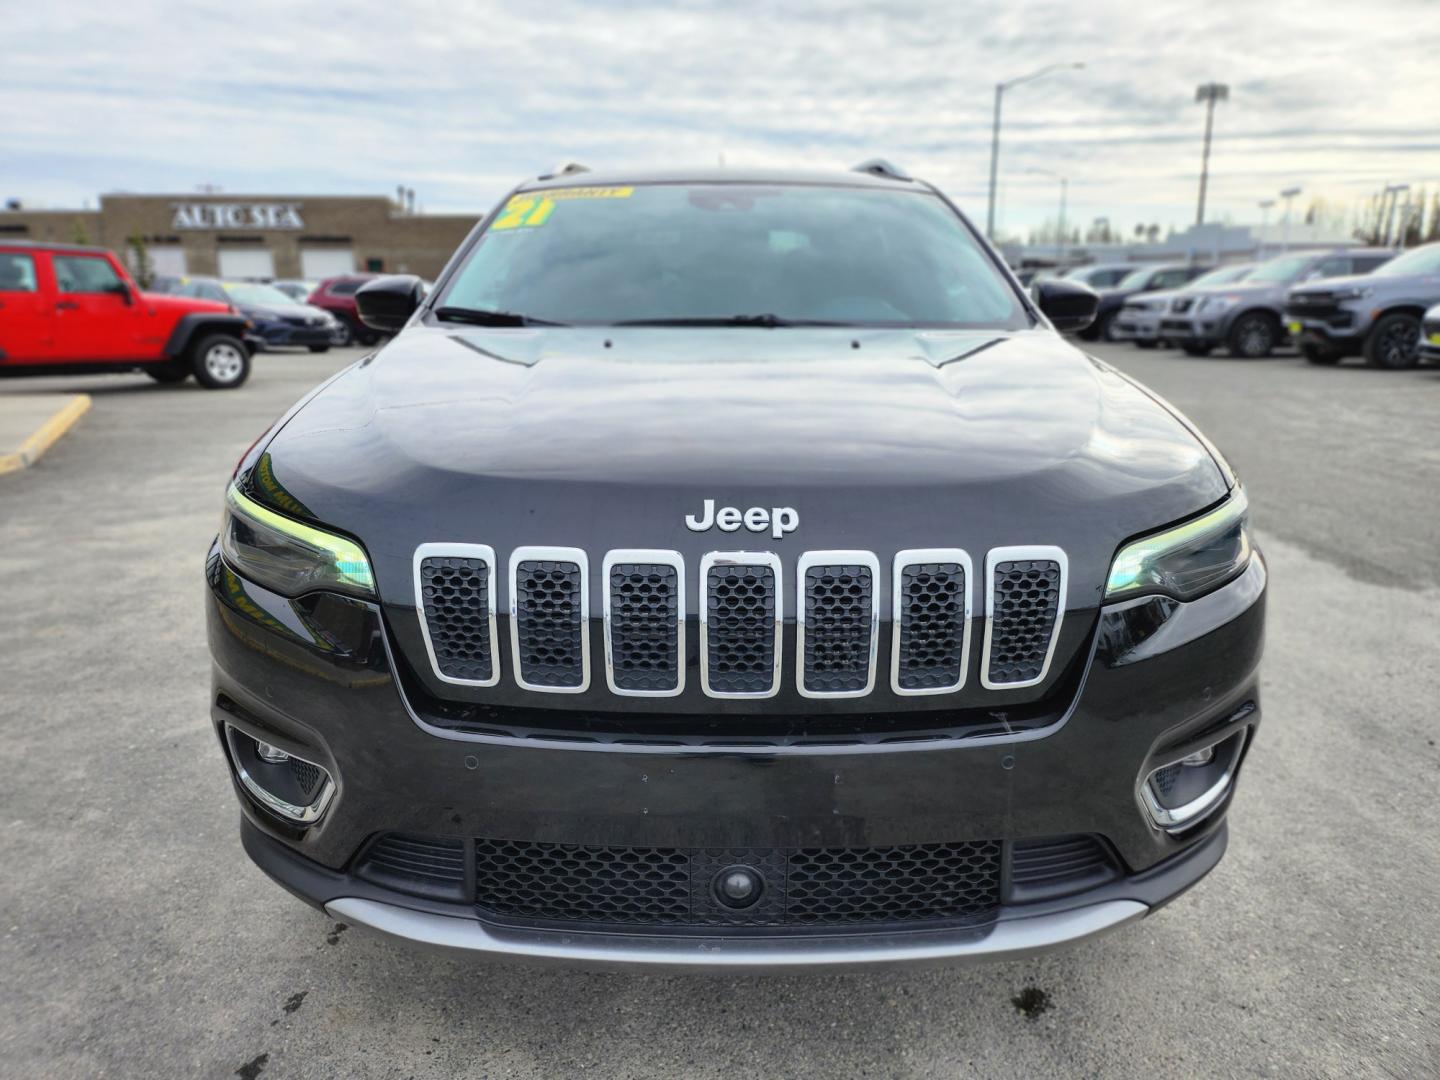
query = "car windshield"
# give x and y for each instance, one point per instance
(249, 295)
(756, 254)
(1223, 276)
(1285, 268)
(1136, 279)
(1423, 260)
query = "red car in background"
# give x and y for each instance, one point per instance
(66, 309)
(337, 296)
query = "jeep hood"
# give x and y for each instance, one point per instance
(606, 438)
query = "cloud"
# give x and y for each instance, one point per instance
(459, 101)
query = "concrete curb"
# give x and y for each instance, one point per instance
(46, 435)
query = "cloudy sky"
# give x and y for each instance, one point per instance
(460, 100)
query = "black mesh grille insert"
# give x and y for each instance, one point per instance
(455, 596)
(1027, 603)
(803, 886)
(644, 637)
(932, 626)
(839, 602)
(308, 778)
(740, 627)
(548, 623)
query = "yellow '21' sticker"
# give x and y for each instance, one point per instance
(531, 211)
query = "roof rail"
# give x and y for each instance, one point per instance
(881, 167)
(568, 169)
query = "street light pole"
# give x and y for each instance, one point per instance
(1209, 93)
(1289, 196)
(1000, 89)
(1265, 205)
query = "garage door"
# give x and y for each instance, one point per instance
(246, 263)
(316, 264)
(167, 259)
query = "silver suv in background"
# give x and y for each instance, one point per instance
(1246, 317)
(1139, 319)
(1377, 315)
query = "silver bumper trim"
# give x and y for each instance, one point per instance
(1007, 939)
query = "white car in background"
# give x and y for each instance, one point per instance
(1139, 319)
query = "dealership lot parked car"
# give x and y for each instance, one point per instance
(1430, 336)
(70, 309)
(337, 296)
(299, 291)
(274, 319)
(1139, 318)
(1100, 275)
(467, 566)
(1247, 317)
(1142, 279)
(1376, 315)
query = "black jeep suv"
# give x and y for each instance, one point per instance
(733, 571)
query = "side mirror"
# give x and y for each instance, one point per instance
(1069, 305)
(387, 303)
(122, 290)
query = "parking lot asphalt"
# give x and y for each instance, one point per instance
(138, 940)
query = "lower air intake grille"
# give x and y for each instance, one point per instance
(740, 629)
(644, 630)
(1026, 610)
(839, 634)
(549, 624)
(802, 886)
(419, 865)
(931, 626)
(1058, 866)
(455, 594)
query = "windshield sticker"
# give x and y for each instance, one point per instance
(532, 211)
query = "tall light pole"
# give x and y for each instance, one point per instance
(1209, 93)
(1265, 207)
(1289, 196)
(1000, 89)
(1060, 237)
(1392, 192)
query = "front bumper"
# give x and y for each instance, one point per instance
(279, 335)
(1335, 329)
(316, 677)
(1131, 325)
(1193, 329)
(1430, 342)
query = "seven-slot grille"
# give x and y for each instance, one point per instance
(740, 618)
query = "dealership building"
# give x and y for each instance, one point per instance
(255, 236)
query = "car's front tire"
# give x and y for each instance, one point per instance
(1394, 342)
(220, 362)
(1254, 336)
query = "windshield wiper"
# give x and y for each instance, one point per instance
(727, 320)
(482, 317)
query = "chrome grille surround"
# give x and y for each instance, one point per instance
(1025, 553)
(811, 560)
(644, 557)
(900, 623)
(479, 553)
(769, 560)
(578, 558)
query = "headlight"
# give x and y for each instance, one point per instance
(287, 556)
(1219, 303)
(1187, 560)
(1354, 293)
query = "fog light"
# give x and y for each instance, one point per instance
(289, 786)
(1185, 791)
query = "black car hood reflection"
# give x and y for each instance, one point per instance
(604, 438)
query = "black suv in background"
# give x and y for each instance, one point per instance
(274, 319)
(1142, 279)
(733, 571)
(1376, 315)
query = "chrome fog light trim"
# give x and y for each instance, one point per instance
(1174, 819)
(303, 814)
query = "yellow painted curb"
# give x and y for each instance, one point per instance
(46, 436)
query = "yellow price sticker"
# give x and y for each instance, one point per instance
(1435, 338)
(524, 211)
(1295, 329)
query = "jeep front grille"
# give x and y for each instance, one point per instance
(1023, 609)
(740, 618)
(837, 623)
(933, 594)
(550, 619)
(645, 622)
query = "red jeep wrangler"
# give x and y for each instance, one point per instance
(71, 310)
